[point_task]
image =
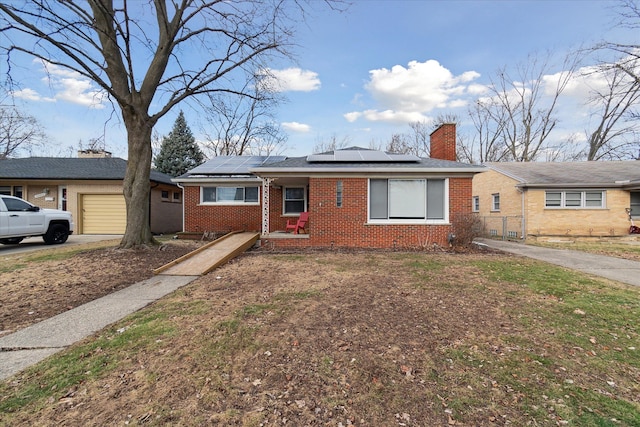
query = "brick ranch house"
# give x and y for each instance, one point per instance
(355, 197)
(551, 200)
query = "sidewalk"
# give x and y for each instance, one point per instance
(617, 269)
(30, 345)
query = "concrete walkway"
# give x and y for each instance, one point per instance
(30, 345)
(617, 269)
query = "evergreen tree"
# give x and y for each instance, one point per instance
(179, 151)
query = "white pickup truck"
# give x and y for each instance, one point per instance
(20, 219)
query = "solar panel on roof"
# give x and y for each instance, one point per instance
(361, 156)
(232, 165)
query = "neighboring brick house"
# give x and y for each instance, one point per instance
(355, 197)
(569, 199)
(90, 187)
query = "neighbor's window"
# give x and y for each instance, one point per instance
(294, 200)
(176, 197)
(476, 204)
(495, 202)
(229, 195)
(574, 199)
(407, 200)
(339, 194)
(635, 204)
(8, 190)
(165, 194)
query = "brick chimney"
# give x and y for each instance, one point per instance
(443, 142)
(93, 154)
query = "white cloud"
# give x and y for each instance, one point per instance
(291, 80)
(407, 94)
(68, 85)
(390, 116)
(79, 91)
(296, 127)
(31, 95)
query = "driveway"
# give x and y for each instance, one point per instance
(617, 269)
(31, 244)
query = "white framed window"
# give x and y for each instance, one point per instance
(575, 199)
(339, 194)
(176, 196)
(634, 204)
(475, 204)
(229, 195)
(9, 190)
(164, 194)
(495, 202)
(408, 200)
(294, 200)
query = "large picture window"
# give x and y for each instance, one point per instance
(571, 199)
(407, 200)
(294, 200)
(228, 195)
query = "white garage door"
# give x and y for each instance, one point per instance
(103, 214)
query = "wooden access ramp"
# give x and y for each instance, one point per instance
(210, 256)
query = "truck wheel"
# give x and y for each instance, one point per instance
(56, 234)
(11, 240)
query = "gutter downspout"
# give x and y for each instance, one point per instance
(522, 211)
(157, 184)
(182, 188)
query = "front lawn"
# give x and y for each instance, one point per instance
(355, 338)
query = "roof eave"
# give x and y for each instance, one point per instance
(570, 185)
(215, 179)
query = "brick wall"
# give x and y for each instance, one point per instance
(200, 218)
(346, 226)
(329, 225)
(612, 221)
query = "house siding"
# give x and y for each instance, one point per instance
(170, 221)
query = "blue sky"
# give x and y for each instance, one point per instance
(363, 74)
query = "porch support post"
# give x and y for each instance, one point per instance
(266, 184)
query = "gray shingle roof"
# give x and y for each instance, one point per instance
(67, 168)
(601, 173)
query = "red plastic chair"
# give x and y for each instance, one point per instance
(298, 225)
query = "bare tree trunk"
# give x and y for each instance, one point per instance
(137, 188)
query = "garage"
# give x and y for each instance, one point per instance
(103, 214)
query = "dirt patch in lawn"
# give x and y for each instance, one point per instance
(32, 291)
